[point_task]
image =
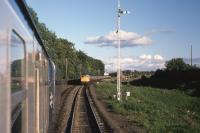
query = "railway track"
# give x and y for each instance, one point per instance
(67, 96)
(84, 118)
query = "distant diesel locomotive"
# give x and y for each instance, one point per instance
(85, 79)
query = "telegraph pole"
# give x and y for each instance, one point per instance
(66, 70)
(119, 13)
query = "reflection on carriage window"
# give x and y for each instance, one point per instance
(17, 62)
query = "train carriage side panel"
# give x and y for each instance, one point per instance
(4, 71)
(26, 92)
(16, 31)
(21, 41)
(51, 88)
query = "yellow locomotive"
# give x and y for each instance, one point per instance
(85, 79)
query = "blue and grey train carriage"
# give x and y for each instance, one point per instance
(27, 75)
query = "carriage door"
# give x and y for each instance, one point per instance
(18, 83)
(37, 84)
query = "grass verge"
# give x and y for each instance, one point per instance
(155, 109)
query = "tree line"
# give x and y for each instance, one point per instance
(177, 74)
(63, 53)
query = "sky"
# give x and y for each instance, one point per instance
(155, 31)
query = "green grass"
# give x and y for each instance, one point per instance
(153, 109)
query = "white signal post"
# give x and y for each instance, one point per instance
(119, 13)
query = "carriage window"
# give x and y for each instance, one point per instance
(17, 62)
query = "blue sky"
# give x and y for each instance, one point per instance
(170, 26)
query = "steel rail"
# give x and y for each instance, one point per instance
(74, 106)
(98, 129)
(72, 113)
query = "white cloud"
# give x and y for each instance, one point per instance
(145, 57)
(158, 57)
(149, 57)
(159, 31)
(144, 62)
(128, 39)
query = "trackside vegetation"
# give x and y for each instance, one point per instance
(154, 109)
(177, 74)
(60, 49)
